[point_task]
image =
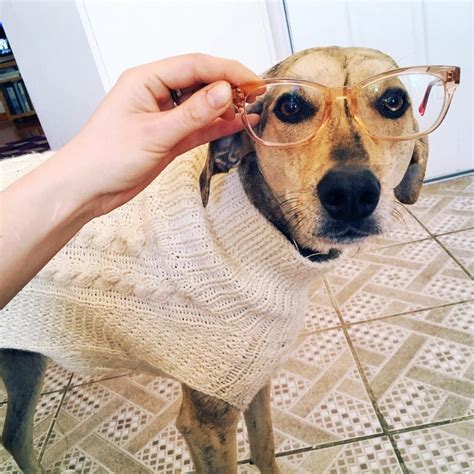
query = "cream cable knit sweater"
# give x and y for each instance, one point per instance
(212, 297)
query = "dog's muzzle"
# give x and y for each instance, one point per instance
(349, 197)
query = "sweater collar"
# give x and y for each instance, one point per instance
(251, 236)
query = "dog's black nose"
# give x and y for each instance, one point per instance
(349, 194)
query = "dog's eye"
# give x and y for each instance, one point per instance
(393, 103)
(293, 108)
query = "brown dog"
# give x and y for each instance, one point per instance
(285, 185)
(328, 194)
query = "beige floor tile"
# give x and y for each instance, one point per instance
(420, 367)
(398, 279)
(97, 423)
(461, 245)
(321, 313)
(371, 456)
(404, 228)
(318, 396)
(247, 469)
(44, 414)
(448, 448)
(447, 206)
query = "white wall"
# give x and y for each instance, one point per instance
(55, 60)
(126, 33)
(414, 33)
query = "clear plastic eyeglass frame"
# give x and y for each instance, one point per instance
(449, 75)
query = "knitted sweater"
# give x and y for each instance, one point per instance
(213, 297)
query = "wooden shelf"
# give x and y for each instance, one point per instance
(10, 63)
(9, 116)
(24, 114)
(10, 79)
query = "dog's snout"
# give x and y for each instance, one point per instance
(349, 194)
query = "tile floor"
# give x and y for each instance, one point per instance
(381, 381)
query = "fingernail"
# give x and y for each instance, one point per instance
(219, 95)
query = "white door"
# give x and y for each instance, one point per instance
(413, 33)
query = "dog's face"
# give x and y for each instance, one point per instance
(337, 190)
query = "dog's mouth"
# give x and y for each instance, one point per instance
(348, 232)
(334, 235)
(317, 256)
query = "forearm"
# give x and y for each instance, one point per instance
(39, 214)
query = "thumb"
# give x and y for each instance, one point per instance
(200, 110)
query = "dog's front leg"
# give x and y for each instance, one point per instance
(209, 426)
(23, 374)
(258, 418)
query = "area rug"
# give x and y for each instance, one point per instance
(35, 144)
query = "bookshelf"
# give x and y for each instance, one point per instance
(18, 105)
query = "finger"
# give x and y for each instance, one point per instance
(190, 69)
(200, 110)
(219, 128)
(229, 114)
(166, 103)
(186, 92)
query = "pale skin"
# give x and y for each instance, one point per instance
(134, 134)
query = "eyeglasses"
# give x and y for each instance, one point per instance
(402, 104)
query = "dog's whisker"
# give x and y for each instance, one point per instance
(313, 254)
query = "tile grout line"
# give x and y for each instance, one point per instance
(332, 444)
(433, 424)
(369, 250)
(405, 313)
(430, 236)
(357, 439)
(378, 413)
(435, 238)
(382, 318)
(453, 257)
(55, 417)
(99, 380)
(454, 231)
(59, 390)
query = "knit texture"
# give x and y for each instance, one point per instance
(212, 297)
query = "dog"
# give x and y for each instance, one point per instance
(337, 195)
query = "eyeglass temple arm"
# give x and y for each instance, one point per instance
(424, 102)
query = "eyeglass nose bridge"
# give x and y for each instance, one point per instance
(340, 93)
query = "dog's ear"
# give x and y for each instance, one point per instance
(223, 155)
(409, 188)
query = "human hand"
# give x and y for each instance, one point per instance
(137, 130)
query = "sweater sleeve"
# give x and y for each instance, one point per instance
(12, 169)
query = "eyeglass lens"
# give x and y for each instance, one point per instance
(397, 106)
(288, 113)
(401, 105)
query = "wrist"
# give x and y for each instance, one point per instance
(39, 214)
(69, 178)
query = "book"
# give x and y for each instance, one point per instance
(21, 97)
(14, 102)
(25, 97)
